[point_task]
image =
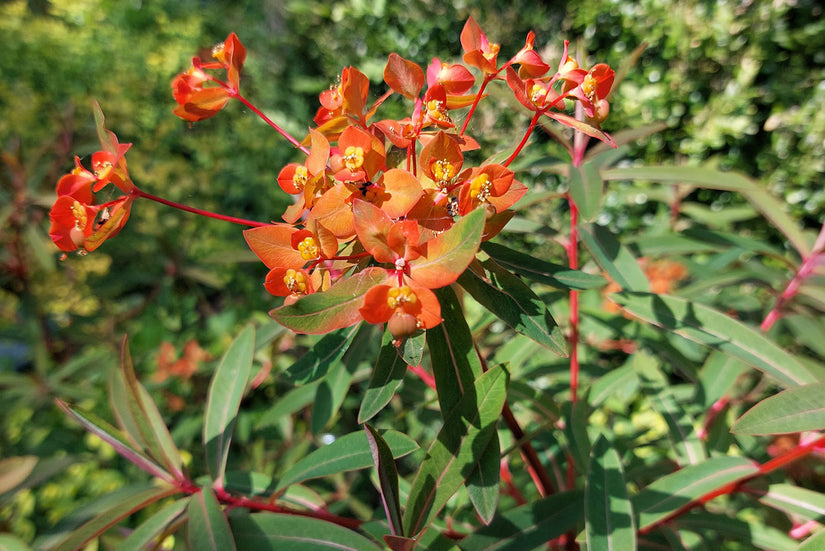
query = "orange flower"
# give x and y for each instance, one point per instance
(404, 308)
(479, 52)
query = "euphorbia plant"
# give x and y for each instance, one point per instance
(390, 218)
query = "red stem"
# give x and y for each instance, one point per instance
(487, 79)
(137, 192)
(534, 466)
(536, 116)
(270, 122)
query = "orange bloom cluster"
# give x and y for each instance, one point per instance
(76, 221)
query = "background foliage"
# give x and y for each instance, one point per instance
(737, 84)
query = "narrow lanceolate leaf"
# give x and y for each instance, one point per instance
(452, 352)
(223, 400)
(616, 260)
(529, 526)
(586, 188)
(448, 254)
(316, 363)
(507, 296)
(704, 325)
(129, 502)
(608, 523)
(332, 309)
(793, 410)
(796, 501)
(451, 457)
(154, 436)
(208, 527)
(387, 479)
(275, 532)
(680, 425)
(555, 275)
(387, 376)
(146, 535)
(112, 436)
(347, 453)
(582, 126)
(771, 208)
(750, 535)
(685, 486)
(483, 483)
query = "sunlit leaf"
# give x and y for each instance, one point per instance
(529, 526)
(448, 254)
(347, 453)
(146, 534)
(404, 76)
(796, 409)
(223, 400)
(315, 363)
(704, 325)
(208, 527)
(276, 532)
(676, 491)
(586, 188)
(555, 275)
(483, 482)
(15, 470)
(506, 296)
(129, 500)
(614, 258)
(332, 309)
(451, 457)
(795, 501)
(608, 522)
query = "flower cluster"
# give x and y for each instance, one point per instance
(384, 211)
(76, 221)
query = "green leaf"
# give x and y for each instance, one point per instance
(678, 490)
(615, 259)
(387, 376)
(149, 424)
(704, 325)
(208, 527)
(145, 536)
(387, 479)
(449, 253)
(289, 403)
(452, 352)
(412, 349)
(12, 543)
(586, 188)
(467, 430)
(114, 438)
(129, 500)
(680, 425)
(815, 542)
(223, 400)
(608, 522)
(770, 207)
(271, 531)
(15, 470)
(506, 296)
(332, 309)
(576, 416)
(347, 453)
(555, 275)
(483, 483)
(795, 501)
(796, 409)
(530, 526)
(752, 535)
(316, 363)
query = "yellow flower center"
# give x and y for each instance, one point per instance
(492, 52)
(354, 158)
(436, 110)
(480, 187)
(398, 297)
(219, 52)
(300, 177)
(569, 65)
(79, 214)
(444, 171)
(308, 248)
(102, 169)
(296, 282)
(589, 87)
(537, 94)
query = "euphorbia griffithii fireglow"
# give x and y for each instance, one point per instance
(384, 212)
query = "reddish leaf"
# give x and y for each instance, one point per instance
(404, 76)
(446, 256)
